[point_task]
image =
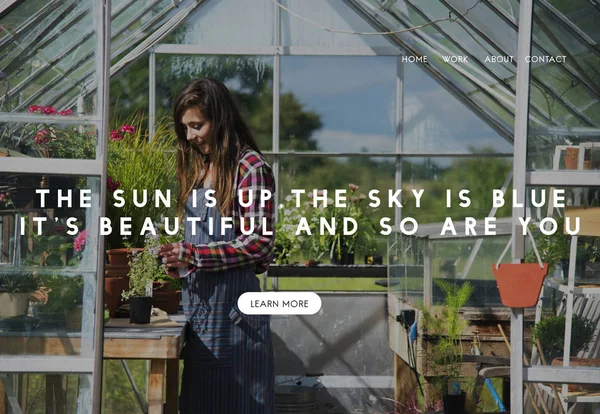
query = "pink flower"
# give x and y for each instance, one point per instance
(112, 185)
(49, 110)
(353, 187)
(80, 240)
(115, 136)
(35, 109)
(66, 112)
(127, 129)
(42, 137)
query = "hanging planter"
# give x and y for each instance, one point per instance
(520, 284)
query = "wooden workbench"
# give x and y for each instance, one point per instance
(158, 343)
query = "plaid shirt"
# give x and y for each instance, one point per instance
(253, 250)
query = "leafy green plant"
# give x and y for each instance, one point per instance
(444, 327)
(136, 163)
(19, 283)
(64, 292)
(362, 240)
(144, 268)
(557, 246)
(551, 333)
(286, 241)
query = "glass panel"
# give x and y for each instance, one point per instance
(47, 266)
(349, 106)
(436, 121)
(331, 14)
(565, 64)
(436, 175)
(41, 54)
(249, 78)
(229, 23)
(582, 13)
(450, 259)
(465, 37)
(48, 140)
(128, 20)
(406, 267)
(310, 173)
(50, 393)
(559, 150)
(492, 25)
(498, 109)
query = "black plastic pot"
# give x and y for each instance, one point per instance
(455, 404)
(140, 309)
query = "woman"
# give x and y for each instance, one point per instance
(228, 357)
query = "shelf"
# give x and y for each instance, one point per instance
(592, 289)
(575, 396)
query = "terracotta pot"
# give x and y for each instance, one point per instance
(167, 300)
(520, 283)
(580, 362)
(120, 257)
(571, 155)
(113, 287)
(116, 270)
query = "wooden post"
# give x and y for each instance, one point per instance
(2, 399)
(156, 388)
(172, 406)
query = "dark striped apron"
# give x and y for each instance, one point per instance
(228, 356)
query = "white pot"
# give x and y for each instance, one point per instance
(13, 304)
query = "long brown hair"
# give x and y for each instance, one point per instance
(230, 132)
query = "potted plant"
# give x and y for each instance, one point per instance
(550, 332)
(166, 290)
(15, 290)
(341, 247)
(143, 271)
(287, 243)
(555, 249)
(443, 359)
(136, 163)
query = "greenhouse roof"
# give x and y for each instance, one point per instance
(48, 51)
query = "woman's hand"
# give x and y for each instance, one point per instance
(170, 256)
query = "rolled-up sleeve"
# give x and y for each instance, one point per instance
(246, 250)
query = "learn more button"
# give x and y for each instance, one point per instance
(279, 303)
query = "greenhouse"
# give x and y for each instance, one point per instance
(436, 213)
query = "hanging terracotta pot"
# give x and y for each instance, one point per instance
(520, 283)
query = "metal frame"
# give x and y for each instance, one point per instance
(89, 363)
(519, 185)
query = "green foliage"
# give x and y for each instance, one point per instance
(64, 292)
(19, 283)
(144, 268)
(444, 327)
(134, 164)
(551, 333)
(287, 242)
(361, 240)
(557, 246)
